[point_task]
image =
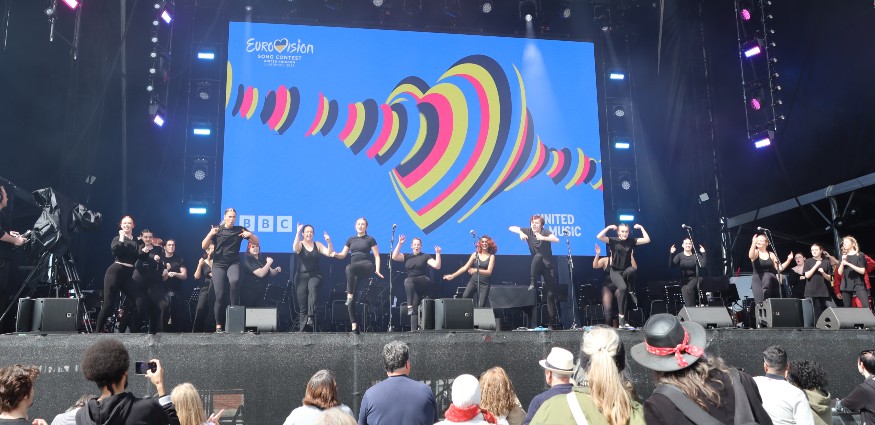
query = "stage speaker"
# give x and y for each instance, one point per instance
(261, 319)
(780, 313)
(453, 313)
(24, 318)
(846, 318)
(54, 315)
(235, 319)
(484, 319)
(808, 319)
(426, 314)
(708, 317)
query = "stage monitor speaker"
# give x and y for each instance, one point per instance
(235, 319)
(261, 319)
(24, 318)
(780, 313)
(426, 314)
(708, 317)
(484, 319)
(453, 313)
(846, 318)
(54, 315)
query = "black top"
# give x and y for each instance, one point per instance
(308, 261)
(687, 264)
(127, 251)
(851, 278)
(862, 399)
(176, 264)
(19, 421)
(227, 242)
(146, 263)
(5, 227)
(250, 265)
(761, 266)
(206, 275)
(126, 409)
(621, 252)
(482, 265)
(536, 247)
(817, 286)
(360, 248)
(416, 265)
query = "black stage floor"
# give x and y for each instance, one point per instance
(265, 374)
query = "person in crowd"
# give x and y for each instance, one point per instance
(361, 248)
(106, 363)
(480, 266)
(608, 289)
(398, 399)
(785, 403)
(764, 282)
(465, 408)
(147, 275)
(320, 395)
(69, 417)
(17, 394)
(540, 242)
(862, 398)
(257, 271)
(558, 368)
(417, 282)
(675, 352)
(174, 275)
(226, 239)
(692, 267)
(622, 273)
(811, 379)
(852, 268)
(308, 276)
(498, 397)
(9, 239)
(334, 416)
(817, 273)
(190, 408)
(602, 394)
(120, 277)
(204, 320)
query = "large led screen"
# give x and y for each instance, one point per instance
(439, 134)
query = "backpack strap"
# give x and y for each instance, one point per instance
(576, 411)
(691, 410)
(743, 411)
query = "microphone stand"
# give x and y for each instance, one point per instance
(698, 266)
(780, 274)
(575, 305)
(391, 250)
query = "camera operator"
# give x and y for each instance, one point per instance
(8, 268)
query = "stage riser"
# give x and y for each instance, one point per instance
(271, 370)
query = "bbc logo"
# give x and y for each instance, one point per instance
(268, 223)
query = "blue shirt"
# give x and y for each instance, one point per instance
(558, 389)
(398, 400)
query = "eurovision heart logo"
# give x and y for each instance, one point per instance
(281, 44)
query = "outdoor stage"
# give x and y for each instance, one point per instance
(265, 374)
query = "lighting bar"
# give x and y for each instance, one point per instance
(165, 16)
(763, 139)
(205, 55)
(752, 48)
(197, 210)
(627, 217)
(617, 75)
(201, 131)
(72, 4)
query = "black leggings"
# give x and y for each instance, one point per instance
(223, 278)
(623, 281)
(159, 306)
(204, 321)
(764, 286)
(307, 289)
(818, 304)
(355, 272)
(416, 288)
(484, 290)
(542, 267)
(860, 291)
(120, 278)
(690, 291)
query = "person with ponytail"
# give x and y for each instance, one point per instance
(602, 395)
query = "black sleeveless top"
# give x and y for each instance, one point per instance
(761, 266)
(308, 261)
(483, 265)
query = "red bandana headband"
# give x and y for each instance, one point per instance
(678, 351)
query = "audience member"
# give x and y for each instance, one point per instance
(862, 398)
(106, 363)
(691, 385)
(321, 394)
(398, 399)
(558, 367)
(784, 403)
(601, 396)
(499, 398)
(465, 408)
(334, 416)
(69, 417)
(810, 377)
(16, 394)
(190, 408)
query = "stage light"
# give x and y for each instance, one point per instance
(165, 16)
(486, 6)
(378, 3)
(617, 74)
(528, 10)
(756, 103)
(745, 11)
(197, 210)
(564, 10)
(619, 111)
(157, 114)
(204, 90)
(150, 87)
(200, 171)
(622, 143)
(752, 48)
(72, 4)
(201, 131)
(206, 55)
(626, 215)
(763, 139)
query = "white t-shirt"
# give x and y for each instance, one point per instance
(306, 415)
(785, 403)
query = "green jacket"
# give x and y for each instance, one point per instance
(819, 402)
(555, 411)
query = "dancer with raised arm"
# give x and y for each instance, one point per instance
(622, 273)
(361, 248)
(764, 282)
(688, 261)
(226, 238)
(480, 265)
(609, 290)
(119, 276)
(417, 281)
(308, 276)
(539, 241)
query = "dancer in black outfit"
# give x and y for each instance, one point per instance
(852, 268)
(538, 239)
(608, 289)
(226, 263)
(258, 272)
(119, 277)
(175, 273)
(818, 279)
(622, 273)
(204, 320)
(147, 275)
(686, 260)
(480, 265)
(359, 247)
(417, 282)
(764, 282)
(308, 276)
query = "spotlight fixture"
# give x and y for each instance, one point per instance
(745, 11)
(486, 6)
(199, 170)
(205, 55)
(617, 74)
(622, 143)
(529, 10)
(763, 139)
(204, 90)
(158, 114)
(619, 111)
(378, 3)
(752, 48)
(72, 4)
(564, 10)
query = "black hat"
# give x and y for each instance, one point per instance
(670, 345)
